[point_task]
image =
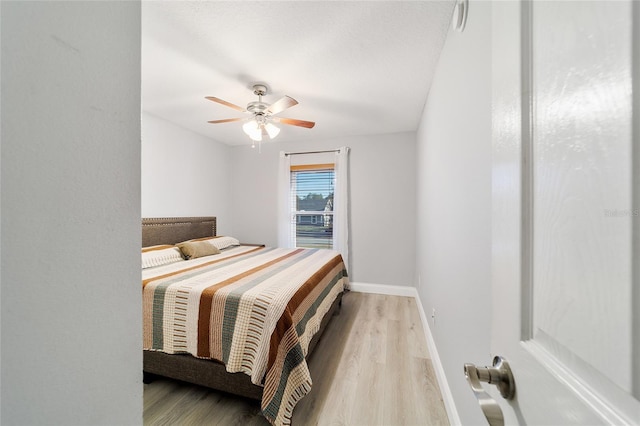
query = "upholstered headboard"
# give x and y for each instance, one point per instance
(172, 230)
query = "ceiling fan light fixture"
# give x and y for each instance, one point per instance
(272, 130)
(252, 129)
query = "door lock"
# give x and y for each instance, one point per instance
(499, 375)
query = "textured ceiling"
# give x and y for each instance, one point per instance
(356, 68)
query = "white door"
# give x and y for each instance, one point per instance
(566, 225)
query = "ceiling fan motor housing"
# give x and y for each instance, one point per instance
(257, 107)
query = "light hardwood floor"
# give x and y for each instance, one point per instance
(371, 367)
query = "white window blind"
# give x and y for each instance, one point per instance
(312, 190)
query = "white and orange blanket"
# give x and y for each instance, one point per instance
(253, 308)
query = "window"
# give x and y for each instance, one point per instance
(313, 201)
(312, 190)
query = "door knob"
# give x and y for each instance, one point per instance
(500, 375)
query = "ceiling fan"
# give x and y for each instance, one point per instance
(260, 123)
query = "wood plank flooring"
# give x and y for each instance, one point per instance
(371, 367)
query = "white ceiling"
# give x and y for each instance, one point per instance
(356, 68)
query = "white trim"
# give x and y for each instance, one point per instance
(445, 390)
(392, 290)
(407, 291)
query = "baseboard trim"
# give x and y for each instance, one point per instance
(392, 290)
(447, 396)
(407, 291)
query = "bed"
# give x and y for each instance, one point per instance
(241, 318)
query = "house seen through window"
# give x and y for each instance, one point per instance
(312, 189)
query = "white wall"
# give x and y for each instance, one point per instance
(184, 173)
(70, 167)
(383, 210)
(454, 205)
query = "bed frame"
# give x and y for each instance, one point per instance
(185, 367)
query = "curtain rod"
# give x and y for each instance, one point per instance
(311, 152)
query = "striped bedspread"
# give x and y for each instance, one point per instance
(253, 308)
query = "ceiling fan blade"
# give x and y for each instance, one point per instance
(281, 104)
(225, 103)
(295, 122)
(226, 120)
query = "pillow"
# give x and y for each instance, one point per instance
(219, 242)
(160, 255)
(196, 249)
